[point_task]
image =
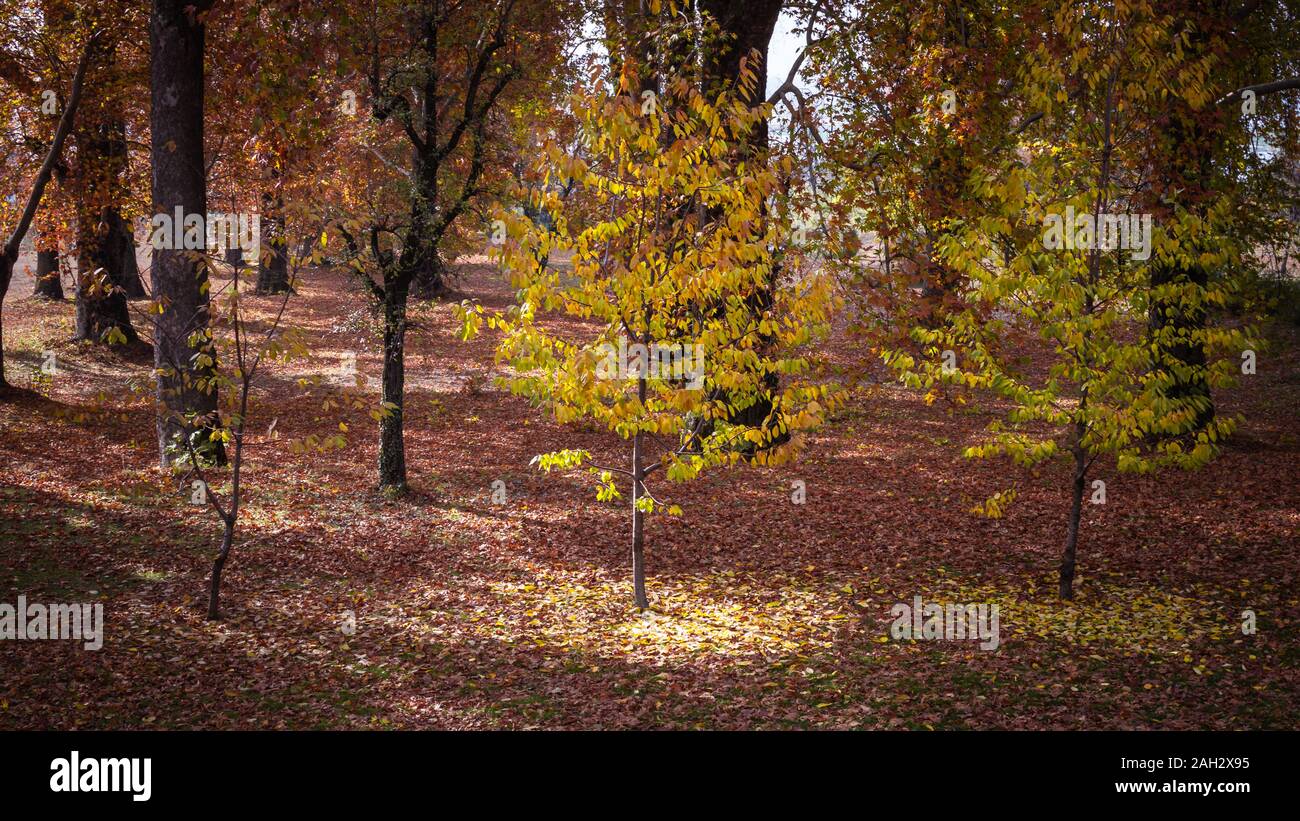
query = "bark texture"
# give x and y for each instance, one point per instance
(179, 179)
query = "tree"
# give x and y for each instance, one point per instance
(912, 98)
(251, 347)
(103, 239)
(437, 73)
(86, 215)
(671, 240)
(48, 284)
(1058, 249)
(83, 212)
(1233, 55)
(9, 251)
(186, 393)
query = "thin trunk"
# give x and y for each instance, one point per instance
(6, 273)
(218, 564)
(1068, 557)
(638, 516)
(232, 517)
(392, 449)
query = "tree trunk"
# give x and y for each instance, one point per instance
(6, 273)
(273, 268)
(1176, 326)
(101, 301)
(1184, 172)
(179, 180)
(218, 564)
(235, 259)
(231, 518)
(638, 516)
(48, 284)
(747, 26)
(1072, 531)
(130, 281)
(101, 163)
(392, 448)
(430, 280)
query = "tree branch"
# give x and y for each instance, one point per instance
(1260, 89)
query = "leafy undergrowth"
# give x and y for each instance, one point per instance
(444, 610)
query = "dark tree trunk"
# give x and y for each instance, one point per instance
(48, 282)
(1183, 154)
(273, 266)
(179, 180)
(747, 25)
(445, 128)
(130, 282)
(235, 259)
(101, 164)
(430, 280)
(1175, 327)
(392, 449)
(101, 301)
(747, 28)
(1070, 553)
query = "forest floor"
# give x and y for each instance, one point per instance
(347, 609)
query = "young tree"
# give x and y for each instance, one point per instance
(249, 346)
(672, 241)
(1062, 257)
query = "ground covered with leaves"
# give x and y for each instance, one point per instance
(443, 609)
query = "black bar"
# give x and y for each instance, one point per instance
(871, 771)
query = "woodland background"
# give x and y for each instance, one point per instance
(368, 476)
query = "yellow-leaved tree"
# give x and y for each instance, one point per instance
(675, 248)
(1060, 262)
